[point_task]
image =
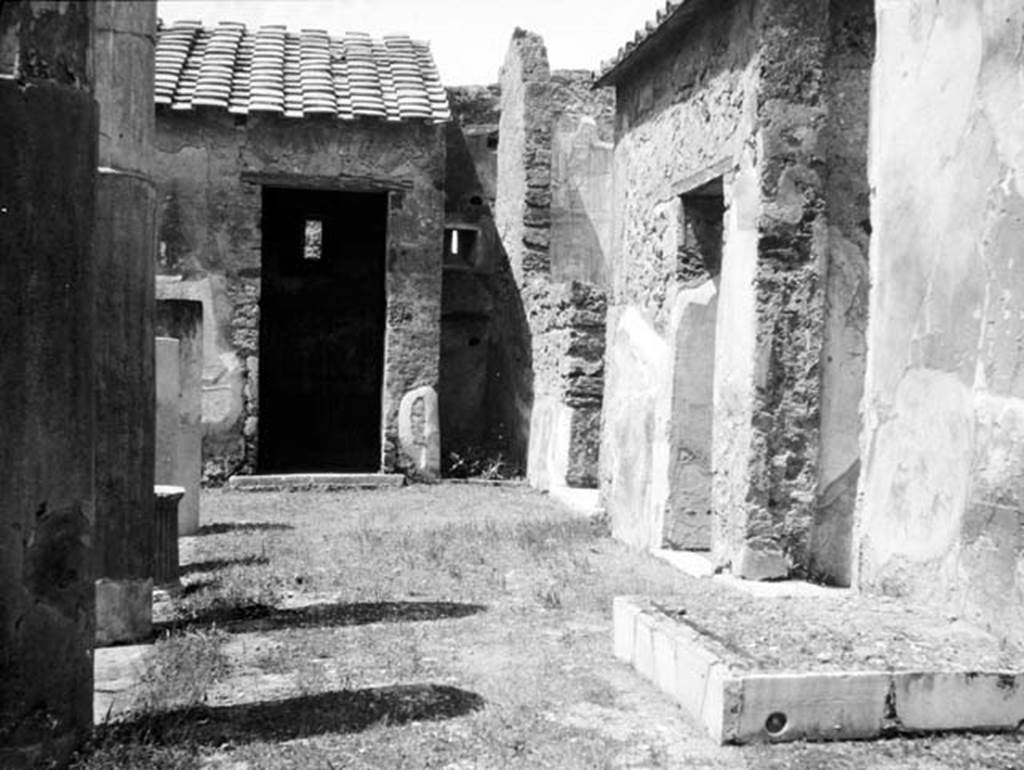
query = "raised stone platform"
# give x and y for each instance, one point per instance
(319, 481)
(739, 702)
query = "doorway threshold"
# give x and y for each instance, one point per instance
(292, 482)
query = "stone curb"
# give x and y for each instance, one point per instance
(756, 707)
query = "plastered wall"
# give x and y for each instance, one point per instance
(942, 484)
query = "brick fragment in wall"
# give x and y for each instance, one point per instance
(538, 217)
(536, 261)
(538, 196)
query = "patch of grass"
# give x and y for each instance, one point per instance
(456, 626)
(181, 671)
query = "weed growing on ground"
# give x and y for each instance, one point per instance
(181, 671)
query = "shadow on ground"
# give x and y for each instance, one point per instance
(239, 618)
(212, 565)
(347, 711)
(225, 527)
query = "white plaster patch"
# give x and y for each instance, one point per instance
(420, 443)
(917, 469)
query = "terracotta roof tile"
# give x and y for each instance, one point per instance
(672, 9)
(297, 74)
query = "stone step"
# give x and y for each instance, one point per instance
(296, 481)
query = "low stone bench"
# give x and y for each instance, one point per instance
(165, 535)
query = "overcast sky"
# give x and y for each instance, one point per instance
(468, 37)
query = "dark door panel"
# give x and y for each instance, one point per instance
(322, 323)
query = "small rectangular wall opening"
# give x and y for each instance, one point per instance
(701, 218)
(700, 240)
(322, 324)
(460, 247)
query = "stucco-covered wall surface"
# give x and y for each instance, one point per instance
(942, 484)
(582, 144)
(210, 168)
(544, 221)
(843, 358)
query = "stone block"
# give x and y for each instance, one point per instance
(168, 406)
(183, 320)
(124, 610)
(760, 564)
(687, 530)
(419, 432)
(643, 645)
(959, 701)
(624, 614)
(818, 706)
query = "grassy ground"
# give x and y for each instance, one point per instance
(448, 626)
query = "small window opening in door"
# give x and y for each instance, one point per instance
(312, 245)
(459, 246)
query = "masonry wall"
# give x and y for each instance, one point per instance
(49, 125)
(551, 213)
(766, 100)
(210, 167)
(485, 346)
(943, 445)
(844, 345)
(685, 116)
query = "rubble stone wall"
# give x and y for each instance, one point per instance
(685, 117)
(774, 501)
(942, 486)
(210, 167)
(552, 214)
(765, 100)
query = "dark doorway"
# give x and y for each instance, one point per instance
(322, 322)
(688, 517)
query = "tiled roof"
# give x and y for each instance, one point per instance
(297, 75)
(661, 20)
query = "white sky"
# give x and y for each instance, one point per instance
(468, 37)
